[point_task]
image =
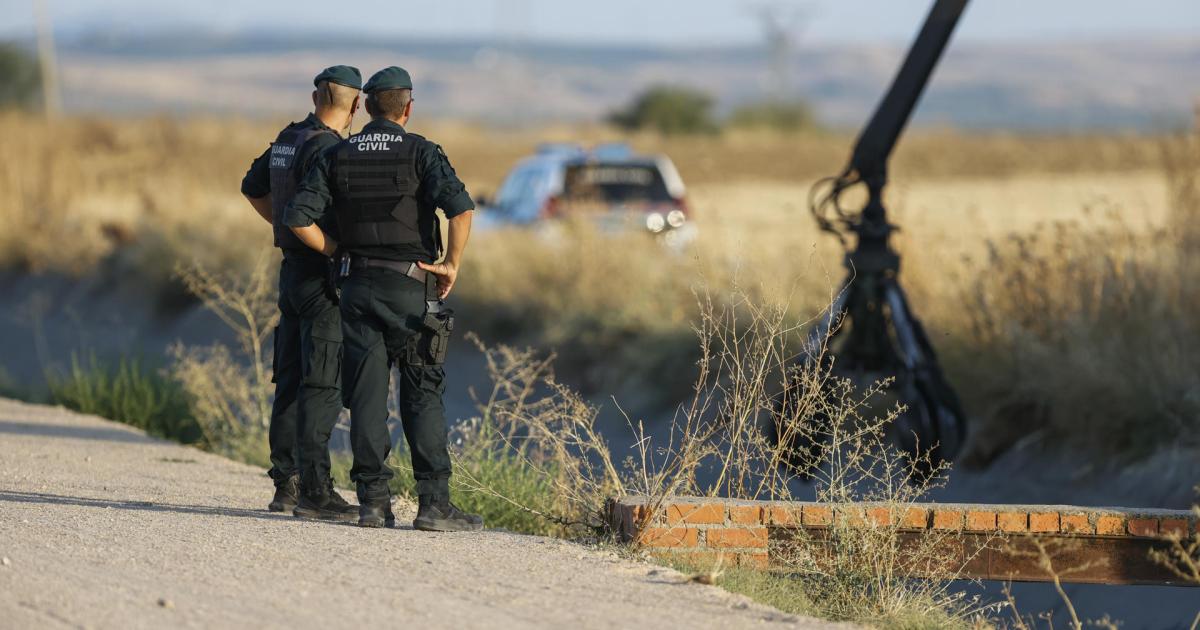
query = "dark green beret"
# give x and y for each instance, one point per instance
(348, 76)
(390, 78)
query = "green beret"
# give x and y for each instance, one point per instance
(348, 76)
(390, 78)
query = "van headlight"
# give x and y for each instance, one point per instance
(675, 218)
(655, 222)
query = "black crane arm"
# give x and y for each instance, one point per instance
(877, 140)
(868, 163)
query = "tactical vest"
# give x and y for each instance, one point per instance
(376, 192)
(285, 179)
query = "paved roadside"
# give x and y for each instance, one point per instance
(103, 527)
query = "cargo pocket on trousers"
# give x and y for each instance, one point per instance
(324, 366)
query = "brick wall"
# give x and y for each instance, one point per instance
(740, 532)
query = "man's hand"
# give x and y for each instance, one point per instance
(446, 275)
(447, 272)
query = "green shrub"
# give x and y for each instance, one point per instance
(668, 110)
(20, 78)
(127, 391)
(776, 116)
(496, 483)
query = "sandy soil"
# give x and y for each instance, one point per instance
(101, 526)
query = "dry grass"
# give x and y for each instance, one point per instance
(717, 445)
(230, 390)
(74, 192)
(1086, 329)
(1085, 315)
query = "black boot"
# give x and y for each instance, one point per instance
(326, 505)
(437, 514)
(375, 507)
(376, 513)
(287, 494)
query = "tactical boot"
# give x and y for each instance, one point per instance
(287, 494)
(325, 505)
(437, 514)
(376, 512)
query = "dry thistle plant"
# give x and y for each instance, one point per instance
(550, 430)
(1050, 553)
(752, 380)
(231, 392)
(1183, 556)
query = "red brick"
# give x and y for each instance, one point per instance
(1013, 521)
(1043, 522)
(817, 515)
(1075, 524)
(669, 537)
(781, 515)
(915, 518)
(880, 516)
(1109, 525)
(1143, 526)
(1173, 527)
(696, 513)
(754, 560)
(981, 521)
(947, 519)
(726, 538)
(745, 514)
(852, 516)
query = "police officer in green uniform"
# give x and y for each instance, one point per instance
(308, 341)
(383, 186)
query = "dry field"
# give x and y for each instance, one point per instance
(1052, 271)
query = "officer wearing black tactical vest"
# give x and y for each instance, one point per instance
(384, 185)
(307, 364)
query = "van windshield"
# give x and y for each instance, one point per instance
(610, 183)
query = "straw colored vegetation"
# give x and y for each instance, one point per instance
(1053, 272)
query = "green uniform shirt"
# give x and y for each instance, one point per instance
(257, 182)
(438, 186)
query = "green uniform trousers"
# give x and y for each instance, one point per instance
(381, 313)
(307, 373)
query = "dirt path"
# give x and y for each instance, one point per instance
(101, 526)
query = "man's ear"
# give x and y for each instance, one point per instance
(354, 105)
(408, 109)
(314, 98)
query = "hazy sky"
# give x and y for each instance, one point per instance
(627, 21)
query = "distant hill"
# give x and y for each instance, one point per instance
(1019, 85)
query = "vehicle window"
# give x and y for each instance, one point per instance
(517, 186)
(614, 183)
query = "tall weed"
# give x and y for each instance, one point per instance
(231, 389)
(719, 444)
(129, 392)
(1090, 330)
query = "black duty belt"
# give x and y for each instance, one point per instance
(409, 269)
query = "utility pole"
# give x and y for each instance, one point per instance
(47, 61)
(780, 21)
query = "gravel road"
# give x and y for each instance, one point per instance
(101, 526)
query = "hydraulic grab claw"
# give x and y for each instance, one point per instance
(870, 328)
